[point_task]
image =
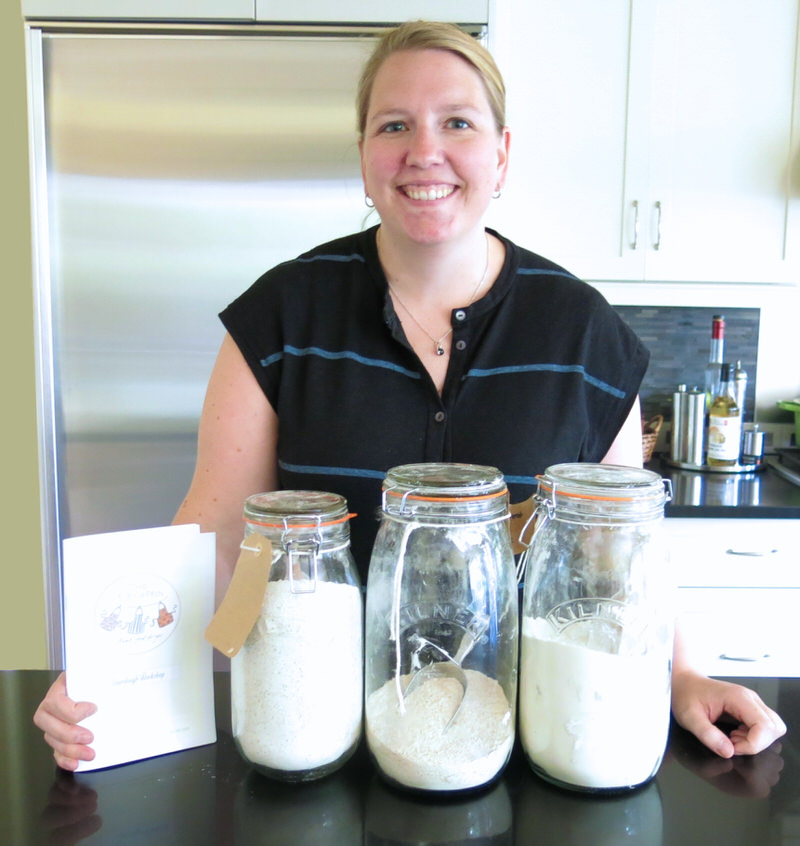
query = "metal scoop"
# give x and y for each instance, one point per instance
(450, 667)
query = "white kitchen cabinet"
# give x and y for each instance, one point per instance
(738, 594)
(368, 11)
(122, 10)
(270, 11)
(654, 140)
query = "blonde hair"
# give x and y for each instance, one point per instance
(433, 35)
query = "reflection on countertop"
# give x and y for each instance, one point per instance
(208, 795)
(762, 494)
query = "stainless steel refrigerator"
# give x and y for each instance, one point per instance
(171, 165)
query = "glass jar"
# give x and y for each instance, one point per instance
(441, 629)
(297, 682)
(597, 628)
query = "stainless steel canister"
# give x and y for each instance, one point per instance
(688, 426)
(752, 446)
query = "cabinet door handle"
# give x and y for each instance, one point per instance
(749, 658)
(635, 241)
(753, 553)
(657, 242)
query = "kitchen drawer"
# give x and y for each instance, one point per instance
(731, 553)
(741, 631)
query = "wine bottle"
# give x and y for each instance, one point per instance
(715, 358)
(724, 423)
(740, 387)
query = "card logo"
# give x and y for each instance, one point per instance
(138, 613)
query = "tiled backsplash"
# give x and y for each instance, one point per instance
(679, 340)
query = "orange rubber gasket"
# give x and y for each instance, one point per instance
(300, 525)
(561, 492)
(476, 498)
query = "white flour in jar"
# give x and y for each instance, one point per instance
(589, 718)
(296, 684)
(414, 750)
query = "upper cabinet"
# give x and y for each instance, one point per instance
(124, 10)
(654, 139)
(268, 11)
(368, 11)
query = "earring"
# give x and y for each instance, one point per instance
(368, 202)
(498, 192)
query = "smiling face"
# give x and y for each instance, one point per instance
(431, 154)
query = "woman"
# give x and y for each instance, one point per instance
(425, 338)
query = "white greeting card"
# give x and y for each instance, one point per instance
(136, 605)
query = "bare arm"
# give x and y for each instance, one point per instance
(236, 456)
(627, 447)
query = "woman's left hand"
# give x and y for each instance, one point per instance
(699, 702)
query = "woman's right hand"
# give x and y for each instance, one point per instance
(58, 717)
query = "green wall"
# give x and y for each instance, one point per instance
(22, 628)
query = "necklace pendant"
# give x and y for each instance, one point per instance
(439, 349)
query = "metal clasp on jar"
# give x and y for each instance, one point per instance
(540, 516)
(302, 554)
(405, 509)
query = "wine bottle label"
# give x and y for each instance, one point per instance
(724, 437)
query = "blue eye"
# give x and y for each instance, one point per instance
(393, 126)
(458, 123)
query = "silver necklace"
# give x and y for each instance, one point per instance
(437, 342)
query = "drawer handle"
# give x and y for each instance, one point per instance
(753, 553)
(635, 241)
(750, 658)
(657, 242)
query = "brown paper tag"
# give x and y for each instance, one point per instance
(239, 609)
(521, 513)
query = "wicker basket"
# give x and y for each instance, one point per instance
(650, 430)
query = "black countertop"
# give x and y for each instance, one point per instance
(208, 795)
(762, 494)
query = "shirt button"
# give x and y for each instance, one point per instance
(460, 314)
(461, 345)
(439, 416)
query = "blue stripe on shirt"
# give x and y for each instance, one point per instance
(480, 373)
(333, 356)
(521, 480)
(543, 271)
(362, 473)
(351, 257)
(311, 469)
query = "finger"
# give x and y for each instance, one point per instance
(68, 752)
(68, 756)
(747, 708)
(759, 726)
(57, 707)
(58, 733)
(708, 734)
(750, 740)
(65, 763)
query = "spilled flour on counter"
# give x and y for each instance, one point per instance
(296, 685)
(413, 748)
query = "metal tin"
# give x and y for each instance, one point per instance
(752, 446)
(688, 426)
